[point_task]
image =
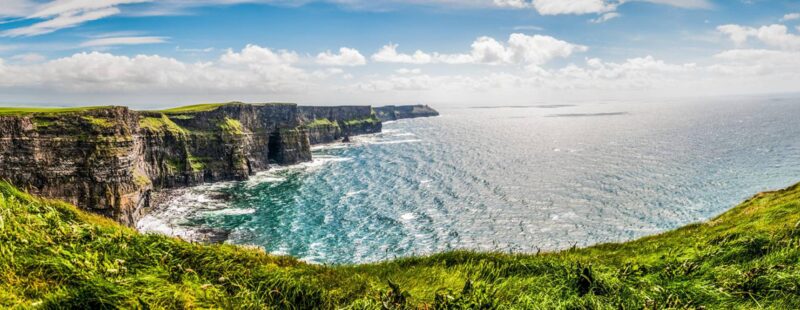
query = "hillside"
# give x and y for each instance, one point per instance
(53, 255)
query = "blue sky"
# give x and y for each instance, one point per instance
(157, 53)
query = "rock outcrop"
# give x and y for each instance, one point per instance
(393, 113)
(109, 159)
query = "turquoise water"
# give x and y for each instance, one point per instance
(508, 179)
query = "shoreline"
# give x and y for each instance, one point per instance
(160, 199)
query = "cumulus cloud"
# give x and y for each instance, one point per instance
(346, 57)
(520, 49)
(253, 68)
(388, 53)
(632, 74)
(777, 36)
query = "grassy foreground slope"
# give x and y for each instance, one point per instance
(54, 256)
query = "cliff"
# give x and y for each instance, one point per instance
(393, 113)
(329, 124)
(109, 159)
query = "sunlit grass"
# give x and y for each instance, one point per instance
(34, 110)
(53, 255)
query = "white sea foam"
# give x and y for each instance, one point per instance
(408, 216)
(353, 193)
(330, 146)
(233, 211)
(399, 141)
(404, 134)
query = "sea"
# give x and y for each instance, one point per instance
(514, 179)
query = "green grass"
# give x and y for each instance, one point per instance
(141, 180)
(98, 122)
(159, 124)
(205, 107)
(196, 163)
(368, 120)
(322, 122)
(32, 110)
(54, 256)
(231, 126)
(42, 122)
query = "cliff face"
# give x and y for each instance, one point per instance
(393, 113)
(86, 158)
(329, 124)
(109, 159)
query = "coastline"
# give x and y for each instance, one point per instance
(161, 200)
(110, 160)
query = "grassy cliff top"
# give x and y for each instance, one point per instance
(55, 256)
(46, 110)
(205, 107)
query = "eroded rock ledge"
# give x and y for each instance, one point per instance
(110, 159)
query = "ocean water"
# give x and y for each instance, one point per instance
(512, 179)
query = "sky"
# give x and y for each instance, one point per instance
(158, 53)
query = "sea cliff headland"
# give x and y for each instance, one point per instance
(109, 160)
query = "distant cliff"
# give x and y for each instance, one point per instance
(328, 124)
(109, 159)
(393, 113)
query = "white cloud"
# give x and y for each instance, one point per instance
(757, 62)
(579, 7)
(254, 68)
(346, 57)
(16, 8)
(605, 17)
(557, 7)
(738, 34)
(790, 16)
(686, 4)
(520, 49)
(29, 58)
(773, 35)
(388, 53)
(326, 73)
(123, 41)
(257, 55)
(595, 75)
(62, 14)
